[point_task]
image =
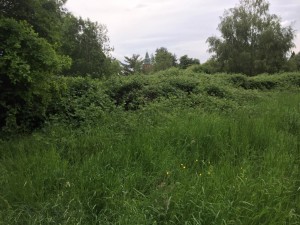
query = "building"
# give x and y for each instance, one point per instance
(147, 66)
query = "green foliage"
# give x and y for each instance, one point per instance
(211, 66)
(293, 64)
(289, 80)
(163, 59)
(185, 62)
(139, 91)
(188, 88)
(253, 41)
(78, 101)
(255, 83)
(159, 166)
(187, 85)
(132, 65)
(267, 82)
(26, 66)
(87, 43)
(114, 67)
(84, 41)
(214, 90)
(45, 16)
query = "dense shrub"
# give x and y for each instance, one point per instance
(262, 85)
(138, 91)
(185, 84)
(216, 91)
(262, 82)
(209, 67)
(26, 65)
(124, 92)
(134, 92)
(79, 100)
(288, 80)
(238, 80)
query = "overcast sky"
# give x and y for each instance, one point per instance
(182, 26)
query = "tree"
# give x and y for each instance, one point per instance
(253, 40)
(185, 62)
(87, 43)
(132, 65)
(293, 64)
(26, 64)
(115, 67)
(45, 16)
(163, 59)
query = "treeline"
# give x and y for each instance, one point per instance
(252, 42)
(162, 60)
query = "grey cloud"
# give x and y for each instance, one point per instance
(140, 6)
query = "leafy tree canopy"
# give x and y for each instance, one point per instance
(163, 59)
(87, 43)
(253, 40)
(185, 62)
(132, 65)
(294, 62)
(46, 16)
(26, 62)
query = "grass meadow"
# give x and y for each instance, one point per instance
(161, 164)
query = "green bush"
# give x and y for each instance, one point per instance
(238, 80)
(26, 65)
(134, 92)
(216, 91)
(125, 92)
(289, 80)
(186, 84)
(79, 100)
(261, 82)
(262, 85)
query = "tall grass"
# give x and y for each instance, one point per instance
(184, 166)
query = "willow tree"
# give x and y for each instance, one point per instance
(252, 40)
